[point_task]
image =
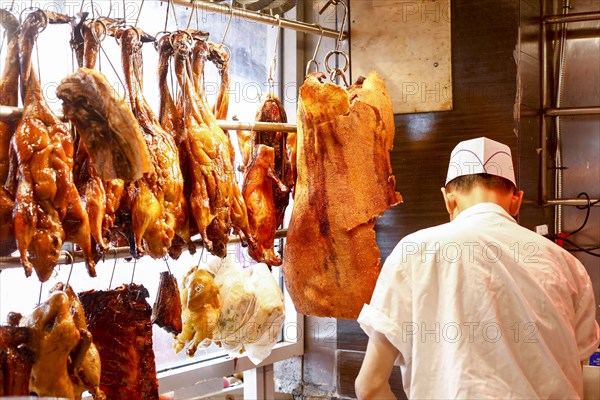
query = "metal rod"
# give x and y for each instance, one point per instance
(543, 102)
(566, 111)
(67, 258)
(572, 202)
(576, 17)
(15, 113)
(260, 17)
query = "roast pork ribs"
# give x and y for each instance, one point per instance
(48, 209)
(9, 96)
(119, 321)
(344, 183)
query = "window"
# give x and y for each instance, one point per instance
(252, 45)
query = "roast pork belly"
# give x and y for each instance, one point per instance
(345, 181)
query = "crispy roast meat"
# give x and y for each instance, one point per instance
(119, 321)
(171, 119)
(215, 199)
(16, 361)
(9, 96)
(344, 183)
(260, 183)
(166, 311)
(48, 209)
(157, 199)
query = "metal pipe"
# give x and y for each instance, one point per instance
(576, 17)
(543, 102)
(15, 113)
(567, 111)
(117, 252)
(571, 202)
(260, 17)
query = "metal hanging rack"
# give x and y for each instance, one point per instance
(261, 17)
(71, 257)
(7, 112)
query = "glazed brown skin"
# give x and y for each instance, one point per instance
(9, 96)
(53, 337)
(171, 119)
(344, 183)
(84, 363)
(157, 197)
(127, 358)
(16, 361)
(272, 110)
(48, 209)
(258, 191)
(166, 311)
(215, 199)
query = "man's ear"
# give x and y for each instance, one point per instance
(450, 202)
(515, 203)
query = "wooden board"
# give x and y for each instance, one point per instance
(408, 43)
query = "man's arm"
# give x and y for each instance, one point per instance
(373, 379)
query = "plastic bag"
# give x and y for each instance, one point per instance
(262, 331)
(252, 309)
(238, 299)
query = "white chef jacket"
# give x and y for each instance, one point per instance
(483, 308)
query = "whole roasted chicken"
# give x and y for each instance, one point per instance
(171, 119)
(156, 201)
(48, 209)
(215, 199)
(260, 180)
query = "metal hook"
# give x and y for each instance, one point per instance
(344, 21)
(92, 25)
(313, 60)
(228, 23)
(133, 272)
(139, 13)
(113, 269)
(70, 257)
(194, 10)
(273, 66)
(43, 25)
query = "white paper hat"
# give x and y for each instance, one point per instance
(481, 156)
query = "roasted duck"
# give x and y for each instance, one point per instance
(16, 361)
(48, 209)
(260, 184)
(344, 183)
(84, 363)
(101, 197)
(157, 198)
(9, 96)
(171, 119)
(106, 126)
(215, 199)
(166, 311)
(53, 338)
(119, 321)
(201, 300)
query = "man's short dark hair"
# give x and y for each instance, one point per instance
(465, 183)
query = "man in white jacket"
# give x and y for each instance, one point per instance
(479, 307)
